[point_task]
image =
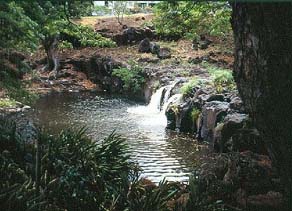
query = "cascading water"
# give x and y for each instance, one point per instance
(158, 102)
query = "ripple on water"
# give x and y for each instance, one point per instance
(144, 130)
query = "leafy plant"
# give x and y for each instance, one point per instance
(65, 45)
(190, 19)
(133, 77)
(187, 88)
(148, 197)
(195, 113)
(84, 36)
(5, 102)
(221, 78)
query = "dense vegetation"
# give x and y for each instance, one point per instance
(70, 172)
(190, 19)
(27, 25)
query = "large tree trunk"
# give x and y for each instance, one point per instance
(50, 44)
(263, 72)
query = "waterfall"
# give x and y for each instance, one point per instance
(158, 102)
(155, 101)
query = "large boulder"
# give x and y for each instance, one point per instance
(212, 113)
(236, 134)
(239, 179)
(154, 48)
(144, 46)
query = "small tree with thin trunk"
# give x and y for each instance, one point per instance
(119, 9)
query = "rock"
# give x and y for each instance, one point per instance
(144, 46)
(154, 48)
(215, 97)
(148, 60)
(212, 113)
(246, 139)
(164, 53)
(272, 201)
(237, 104)
(178, 114)
(204, 43)
(130, 34)
(224, 131)
(235, 134)
(196, 60)
(240, 176)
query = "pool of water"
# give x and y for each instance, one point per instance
(159, 153)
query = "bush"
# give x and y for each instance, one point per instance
(133, 77)
(84, 36)
(222, 78)
(178, 19)
(188, 88)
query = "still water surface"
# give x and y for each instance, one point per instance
(159, 153)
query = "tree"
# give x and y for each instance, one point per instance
(119, 9)
(26, 24)
(263, 72)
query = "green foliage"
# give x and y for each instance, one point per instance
(222, 78)
(195, 113)
(65, 45)
(6, 102)
(84, 36)
(190, 19)
(17, 29)
(16, 90)
(74, 173)
(133, 77)
(149, 197)
(187, 88)
(26, 24)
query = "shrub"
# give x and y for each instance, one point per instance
(65, 45)
(68, 171)
(133, 77)
(188, 88)
(222, 79)
(84, 36)
(178, 19)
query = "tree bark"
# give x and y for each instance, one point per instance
(263, 72)
(50, 44)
